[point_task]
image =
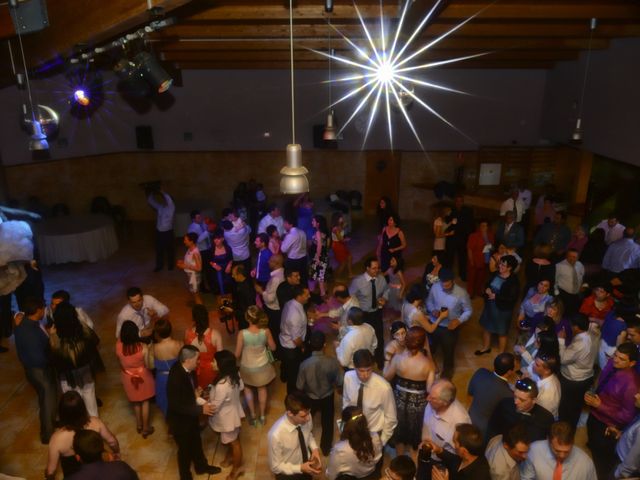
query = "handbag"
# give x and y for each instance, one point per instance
(270, 356)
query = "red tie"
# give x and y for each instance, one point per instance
(557, 472)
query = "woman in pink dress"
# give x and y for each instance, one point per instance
(136, 378)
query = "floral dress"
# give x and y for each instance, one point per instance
(318, 267)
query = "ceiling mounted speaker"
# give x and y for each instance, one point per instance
(29, 16)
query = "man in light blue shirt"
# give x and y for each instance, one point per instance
(622, 254)
(628, 447)
(237, 237)
(557, 457)
(451, 303)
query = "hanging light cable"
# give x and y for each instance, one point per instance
(576, 136)
(330, 128)
(38, 139)
(293, 174)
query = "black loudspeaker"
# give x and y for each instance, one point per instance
(319, 142)
(29, 16)
(144, 137)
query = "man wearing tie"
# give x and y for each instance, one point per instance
(509, 232)
(184, 413)
(292, 450)
(372, 292)
(569, 275)
(372, 394)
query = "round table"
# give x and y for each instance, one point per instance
(76, 238)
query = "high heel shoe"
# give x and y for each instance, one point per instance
(146, 433)
(139, 429)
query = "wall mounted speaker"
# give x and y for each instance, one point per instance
(29, 16)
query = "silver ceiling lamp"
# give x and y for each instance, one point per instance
(293, 174)
(576, 136)
(38, 140)
(330, 132)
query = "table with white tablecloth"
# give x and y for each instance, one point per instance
(76, 238)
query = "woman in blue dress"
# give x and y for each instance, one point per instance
(501, 296)
(165, 354)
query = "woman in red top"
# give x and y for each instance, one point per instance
(208, 341)
(479, 247)
(598, 304)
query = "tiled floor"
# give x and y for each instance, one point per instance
(100, 289)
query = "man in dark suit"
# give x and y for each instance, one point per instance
(522, 408)
(488, 388)
(510, 233)
(184, 412)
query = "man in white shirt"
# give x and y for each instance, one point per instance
(612, 229)
(506, 454)
(372, 393)
(292, 450)
(293, 331)
(442, 414)
(359, 335)
(513, 204)
(237, 237)
(558, 458)
(576, 369)
(165, 209)
(549, 393)
(272, 217)
(143, 310)
(294, 246)
(346, 301)
(269, 297)
(569, 276)
(56, 299)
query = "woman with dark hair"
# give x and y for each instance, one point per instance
(227, 419)
(358, 450)
(397, 344)
(384, 210)
(414, 373)
(274, 239)
(535, 302)
(501, 296)
(165, 354)
(136, 377)
(208, 341)
(221, 262)
(339, 241)
(396, 282)
(73, 417)
(413, 314)
(320, 245)
(432, 271)
(391, 242)
(252, 346)
(74, 348)
(543, 341)
(539, 267)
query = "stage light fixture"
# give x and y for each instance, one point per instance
(152, 71)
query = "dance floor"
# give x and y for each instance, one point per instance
(100, 288)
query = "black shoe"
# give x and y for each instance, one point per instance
(482, 352)
(3, 349)
(210, 469)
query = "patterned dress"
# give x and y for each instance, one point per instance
(411, 400)
(318, 267)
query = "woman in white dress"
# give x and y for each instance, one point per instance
(358, 450)
(228, 414)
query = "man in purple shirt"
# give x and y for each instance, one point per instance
(612, 405)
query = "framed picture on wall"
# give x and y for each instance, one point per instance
(489, 174)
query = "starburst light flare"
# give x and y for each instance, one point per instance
(386, 71)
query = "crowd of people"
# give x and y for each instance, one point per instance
(563, 305)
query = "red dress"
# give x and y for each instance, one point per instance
(339, 246)
(205, 373)
(590, 309)
(136, 378)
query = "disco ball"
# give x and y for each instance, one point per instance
(48, 118)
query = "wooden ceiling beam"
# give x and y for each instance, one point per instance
(304, 55)
(321, 31)
(340, 44)
(541, 10)
(312, 65)
(239, 12)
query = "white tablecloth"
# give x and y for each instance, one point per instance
(76, 238)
